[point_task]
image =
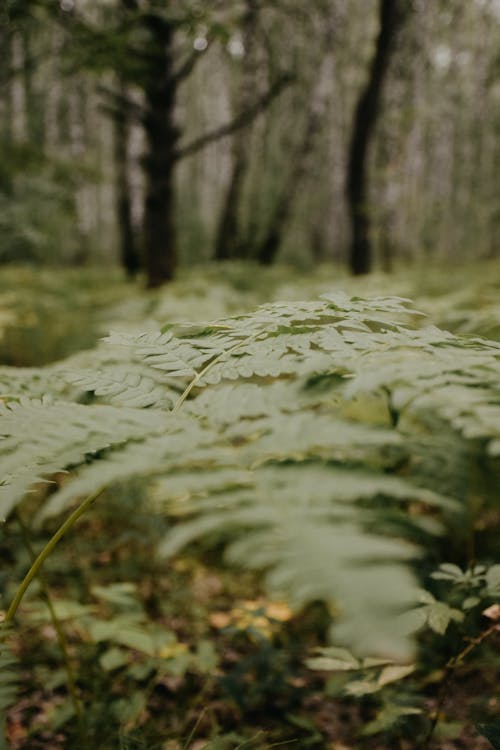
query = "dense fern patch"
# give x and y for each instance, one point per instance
(326, 443)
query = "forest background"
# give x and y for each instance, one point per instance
(194, 176)
(149, 134)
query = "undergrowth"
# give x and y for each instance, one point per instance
(341, 448)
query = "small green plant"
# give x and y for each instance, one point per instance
(464, 607)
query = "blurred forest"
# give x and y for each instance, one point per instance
(151, 134)
(296, 540)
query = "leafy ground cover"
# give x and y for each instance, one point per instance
(46, 314)
(321, 479)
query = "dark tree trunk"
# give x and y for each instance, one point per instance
(158, 77)
(129, 255)
(161, 135)
(269, 247)
(391, 16)
(229, 242)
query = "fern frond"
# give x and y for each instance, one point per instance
(301, 434)
(122, 386)
(180, 443)
(302, 524)
(161, 351)
(28, 382)
(40, 437)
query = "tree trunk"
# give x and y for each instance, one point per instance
(229, 242)
(18, 90)
(52, 106)
(129, 255)
(5, 83)
(269, 247)
(365, 120)
(161, 137)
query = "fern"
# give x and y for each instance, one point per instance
(41, 437)
(285, 433)
(122, 387)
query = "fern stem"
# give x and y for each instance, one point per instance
(203, 372)
(63, 644)
(40, 559)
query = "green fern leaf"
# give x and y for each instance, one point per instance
(123, 387)
(41, 437)
(284, 432)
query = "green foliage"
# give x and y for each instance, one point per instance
(125, 640)
(37, 206)
(45, 316)
(8, 678)
(296, 435)
(463, 599)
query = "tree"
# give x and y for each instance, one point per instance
(268, 202)
(269, 245)
(228, 242)
(391, 16)
(129, 254)
(140, 45)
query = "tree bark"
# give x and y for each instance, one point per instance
(161, 136)
(156, 74)
(129, 254)
(269, 246)
(228, 243)
(391, 17)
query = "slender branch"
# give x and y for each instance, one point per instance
(37, 564)
(203, 371)
(121, 102)
(188, 66)
(473, 643)
(63, 644)
(239, 122)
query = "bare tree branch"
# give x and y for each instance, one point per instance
(120, 101)
(241, 121)
(188, 65)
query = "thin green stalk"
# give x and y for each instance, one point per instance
(202, 372)
(251, 740)
(46, 551)
(72, 688)
(473, 643)
(193, 730)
